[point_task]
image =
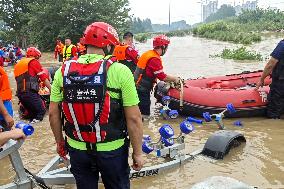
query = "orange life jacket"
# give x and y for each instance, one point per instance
(59, 48)
(24, 80)
(81, 49)
(5, 90)
(141, 79)
(119, 52)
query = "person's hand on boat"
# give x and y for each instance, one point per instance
(259, 84)
(138, 161)
(17, 134)
(178, 82)
(62, 150)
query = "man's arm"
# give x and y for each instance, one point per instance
(55, 121)
(132, 113)
(13, 134)
(47, 84)
(55, 52)
(170, 78)
(267, 71)
(135, 131)
(8, 118)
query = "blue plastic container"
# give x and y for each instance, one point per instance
(186, 127)
(173, 114)
(207, 116)
(27, 128)
(238, 123)
(166, 99)
(166, 131)
(231, 108)
(168, 142)
(194, 120)
(147, 148)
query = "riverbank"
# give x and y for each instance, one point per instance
(247, 28)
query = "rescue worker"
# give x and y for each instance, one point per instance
(58, 51)
(69, 50)
(28, 74)
(17, 52)
(149, 68)
(100, 103)
(275, 67)
(6, 114)
(126, 53)
(81, 49)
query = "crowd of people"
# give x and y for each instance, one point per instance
(10, 53)
(110, 81)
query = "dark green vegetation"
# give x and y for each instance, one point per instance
(41, 22)
(239, 54)
(244, 29)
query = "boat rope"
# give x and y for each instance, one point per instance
(39, 182)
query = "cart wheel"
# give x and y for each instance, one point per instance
(207, 116)
(168, 142)
(166, 99)
(147, 138)
(173, 114)
(166, 131)
(231, 108)
(147, 148)
(186, 127)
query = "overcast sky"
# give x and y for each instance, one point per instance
(188, 10)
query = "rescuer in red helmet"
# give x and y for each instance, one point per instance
(100, 105)
(149, 69)
(28, 74)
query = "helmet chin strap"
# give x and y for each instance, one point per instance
(164, 49)
(107, 50)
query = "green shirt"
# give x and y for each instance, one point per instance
(118, 76)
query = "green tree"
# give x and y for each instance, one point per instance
(14, 14)
(51, 19)
(225, 11)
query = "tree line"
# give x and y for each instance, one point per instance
(41, 22)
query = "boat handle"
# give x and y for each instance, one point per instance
(248, 101)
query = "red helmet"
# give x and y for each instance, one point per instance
(100, 34)
(160, 40)
(33, 52)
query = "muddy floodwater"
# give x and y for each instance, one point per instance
(259, 162)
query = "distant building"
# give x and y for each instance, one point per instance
(249, 5)
(209, 8)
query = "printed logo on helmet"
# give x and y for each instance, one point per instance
(112, 31)
(165, 37)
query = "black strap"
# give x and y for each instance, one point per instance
(114, 90)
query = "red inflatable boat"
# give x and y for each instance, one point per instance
(214, 93)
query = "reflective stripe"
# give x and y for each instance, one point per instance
(75, 121)
(159, 71)
(97, 125)
(102, 147)
(70, 106)
(97, 108)
(41, 73)
(66, 70)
